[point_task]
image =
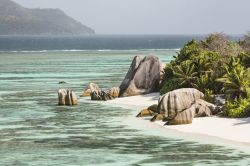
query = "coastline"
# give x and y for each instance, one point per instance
(212, 128)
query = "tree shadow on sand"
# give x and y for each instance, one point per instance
(242, 121)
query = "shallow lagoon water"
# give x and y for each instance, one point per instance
(35, 131)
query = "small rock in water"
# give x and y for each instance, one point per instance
(67, 97)
(89, 89)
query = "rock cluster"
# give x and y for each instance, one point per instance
(143, 76)
(100, 95)
(180, 107)
(96, 93)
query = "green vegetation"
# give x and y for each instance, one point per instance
(215, 65)
(237, 108)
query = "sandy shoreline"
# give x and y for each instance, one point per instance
(236, 130)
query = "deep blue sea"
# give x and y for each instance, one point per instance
(35, 131)
(96, 42)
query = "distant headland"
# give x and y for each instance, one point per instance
(17, 20)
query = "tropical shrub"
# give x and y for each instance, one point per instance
(236, 81)
(185, 74)
(191, 49)
(245, 59)
(237, 108)
(208, 95)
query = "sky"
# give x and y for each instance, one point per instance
(155, 16)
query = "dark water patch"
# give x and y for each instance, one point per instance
(97, 42)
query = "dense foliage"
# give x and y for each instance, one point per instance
(215, 65)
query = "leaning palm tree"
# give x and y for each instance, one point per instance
(185, 74)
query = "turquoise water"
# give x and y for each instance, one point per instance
(35, 131)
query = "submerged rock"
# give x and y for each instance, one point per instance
(89, 89)
(143, 76)
(67, 97)
(62, 82)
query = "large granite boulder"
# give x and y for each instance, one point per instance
(182, 105)
(143, 76)
(200, 108)
(183, 117)
(89, 89)
(177, 101)
(67, 97)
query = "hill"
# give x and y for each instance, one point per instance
(17, 20)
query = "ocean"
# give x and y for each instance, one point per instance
(34, 130)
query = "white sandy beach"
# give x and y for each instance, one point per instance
(237, 130)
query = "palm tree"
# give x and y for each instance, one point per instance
(202, 65)
(202, 83)
(185, 74)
